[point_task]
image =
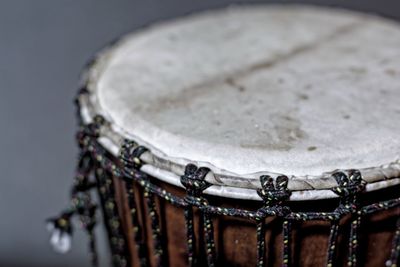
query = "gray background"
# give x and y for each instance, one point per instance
(43, 46)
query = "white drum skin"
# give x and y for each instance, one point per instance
(288, 106)
(290, 90)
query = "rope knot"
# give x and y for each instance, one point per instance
(348, 185)
(194, 180)
(130, 153)
(273, 194)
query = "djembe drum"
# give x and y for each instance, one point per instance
(249, 136)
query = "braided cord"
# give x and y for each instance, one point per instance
(209, 236)
(274, 193)
(112, 219)
(137, 228)
(155, 227)
(353, 241)
(260, 243)
(394, 259)
(332, 243)
(190, 236)
(286, 243)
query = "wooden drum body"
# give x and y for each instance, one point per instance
(236, 240)
(249, 136)
(321, 233)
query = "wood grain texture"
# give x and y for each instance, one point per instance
(235, 238)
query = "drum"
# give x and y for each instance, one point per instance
(263, 135)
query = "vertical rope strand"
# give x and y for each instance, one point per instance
(350, 185)
(88, 220)
(112, 218)
(332, 243)
(394, 260)
(137, 229)
(274, 193)
(286, 243)
(86, 208)
(194, 182)
(92, 248)
(130, 153)
(261, 243)
(107, 214)
(209, 236)
(190, 236)
(353, 241)
(155, 227)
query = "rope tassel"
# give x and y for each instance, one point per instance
(61, 228)
(61, 233)
(81, 204)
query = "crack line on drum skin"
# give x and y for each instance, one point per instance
(388, 173)
(187, 94)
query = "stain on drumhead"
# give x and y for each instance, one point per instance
(293, 90)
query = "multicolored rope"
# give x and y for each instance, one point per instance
(333, 232)
(343, 209)
(260, 230)
(274, 192)
(82, 206)
(112, 218)
(155, 227)
(130, 159)
(273, 196)
(394, 259)
(349, 187)
(194, 182)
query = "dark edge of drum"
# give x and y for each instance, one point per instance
(95, 161)
(303, 183)
(274, 193)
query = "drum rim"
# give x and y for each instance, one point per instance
(225, 184)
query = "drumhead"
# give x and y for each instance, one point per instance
(250, 90)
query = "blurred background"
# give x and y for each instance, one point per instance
(43, 46)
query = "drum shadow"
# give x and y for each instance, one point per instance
(377, 233)
(236, 242)
(310, 243)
